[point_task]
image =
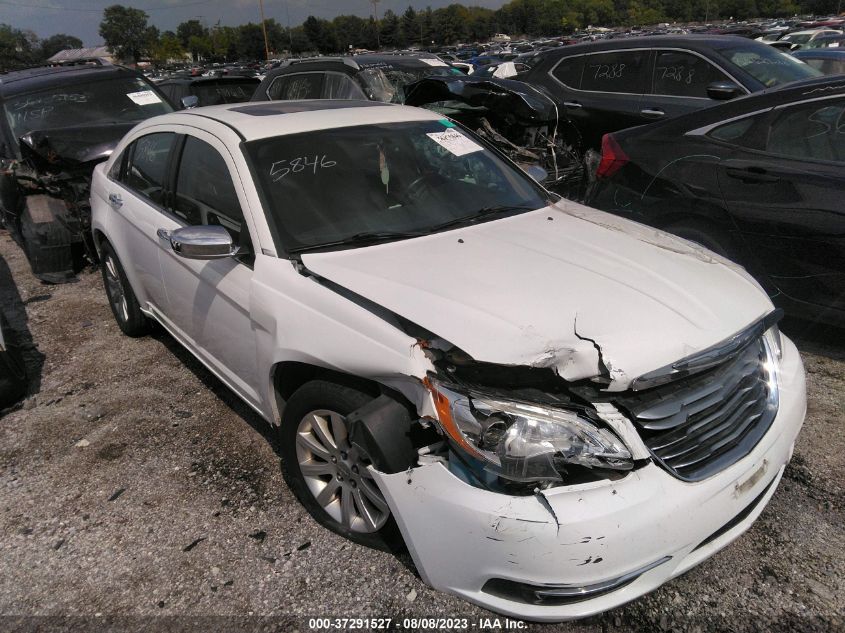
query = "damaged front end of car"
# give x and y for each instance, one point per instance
(46, 197)
(519, 120)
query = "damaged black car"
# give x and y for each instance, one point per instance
(57, 124)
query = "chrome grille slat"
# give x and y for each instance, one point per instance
(700, 424)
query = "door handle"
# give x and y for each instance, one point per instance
(115, 200)
(750, 174)
(653, 113)
(572, 104)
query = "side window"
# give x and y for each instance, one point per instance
(680, 74)
(568, 71)
(205, 193)
(814, 131)
(338, 86)
(734, 132)
(296, 86)
(617, 71)
(146, 170)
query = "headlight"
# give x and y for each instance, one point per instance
(525, 442)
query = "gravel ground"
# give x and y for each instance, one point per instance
(135, 484)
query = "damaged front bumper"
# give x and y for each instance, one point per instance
(572, 551)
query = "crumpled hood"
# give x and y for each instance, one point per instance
(76, 146)
(566, 287)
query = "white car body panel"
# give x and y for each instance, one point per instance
(580, 283)
(566, 287)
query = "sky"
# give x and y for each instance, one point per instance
(82, 17)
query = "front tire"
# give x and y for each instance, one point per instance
(124, 304)
(327, 474)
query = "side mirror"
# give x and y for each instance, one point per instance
(723, 90)
(210, 241)
(537, 173)
(191, 101)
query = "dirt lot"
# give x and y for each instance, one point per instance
(135, 484)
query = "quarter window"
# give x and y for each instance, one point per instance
(569, 70)
(618, 71)
(146, 170)
(814, 131)
(338, 86)
(679, 74)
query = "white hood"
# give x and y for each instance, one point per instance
(552, 287)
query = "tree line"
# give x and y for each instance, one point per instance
(127, 32)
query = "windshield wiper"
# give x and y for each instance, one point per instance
(360, 239)
(479, 215)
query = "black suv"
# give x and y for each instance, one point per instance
(56, 124)
(613, 84)
(208, 90)
(377, 77)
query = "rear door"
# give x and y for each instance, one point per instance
(786, 193)
(679, 83)
(603, 91)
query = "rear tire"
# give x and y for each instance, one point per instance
(124, 304)
(327, 474)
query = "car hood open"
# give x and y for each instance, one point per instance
(565, 287)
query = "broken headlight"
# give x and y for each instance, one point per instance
(526, 442)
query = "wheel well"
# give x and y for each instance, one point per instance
(289, 376)
(99, 239)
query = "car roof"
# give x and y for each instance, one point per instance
(820, 53)
(261, 119)
(43, 77)
(216, 80)
(701, 42)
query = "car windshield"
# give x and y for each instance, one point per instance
(798, 38)
(386, 181)
(387, 83)
(769, 66)
(119, 100)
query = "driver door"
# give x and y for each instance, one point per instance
(209, 300)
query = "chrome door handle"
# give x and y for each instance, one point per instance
(653, 113)
(115, 200)
(572, 104)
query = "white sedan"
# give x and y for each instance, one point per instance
(556, 410)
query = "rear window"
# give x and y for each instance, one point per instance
(767, 65)
(215, 93)
(568, 71)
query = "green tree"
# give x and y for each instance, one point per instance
(391, 31)
(410, 25)
(59, 42)
(18, 49)
(125, 32)
(167, 49)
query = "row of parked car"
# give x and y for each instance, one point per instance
(441, 343)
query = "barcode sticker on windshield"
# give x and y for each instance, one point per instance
(433, 62)
(455, 142)
(144, 97)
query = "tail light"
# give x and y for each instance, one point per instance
(612, 157)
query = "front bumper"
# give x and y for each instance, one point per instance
(590, 535)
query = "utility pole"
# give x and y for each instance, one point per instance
(264, 29)
(375, 16)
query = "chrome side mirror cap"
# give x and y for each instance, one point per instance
(191, 101)
(200, 242)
